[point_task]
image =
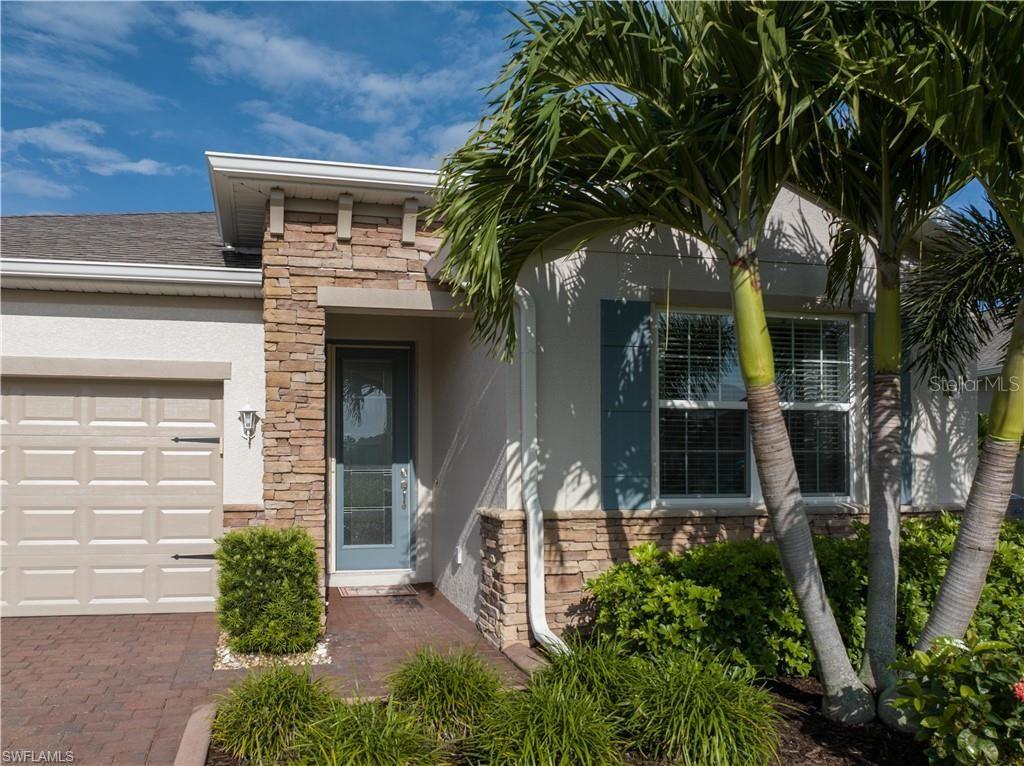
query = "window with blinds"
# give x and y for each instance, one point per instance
(703, 435)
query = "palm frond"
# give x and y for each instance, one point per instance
(955, 69)
(613, 115)
(967, 287)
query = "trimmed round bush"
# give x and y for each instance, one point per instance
(691, 709)
(270, 599)
(547, 725)
(259, 719)
(447, 693)
(367, 733)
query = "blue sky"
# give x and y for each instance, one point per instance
(108, 107)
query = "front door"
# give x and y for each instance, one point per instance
(375, 484)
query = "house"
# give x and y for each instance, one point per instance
(137, 347)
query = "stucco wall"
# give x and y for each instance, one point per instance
(469, 396)
(568, 290)
(40, 323)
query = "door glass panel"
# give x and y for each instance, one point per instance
(367, 450)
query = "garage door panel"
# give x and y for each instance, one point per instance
(112, 407)
(56, 585)
(46, 466)
(191, 413)
(188, 584)
(187, 467)
(48, 462)
(100, 498)
(111, 523)
(119, 466)
(50, 525)
(187, 526)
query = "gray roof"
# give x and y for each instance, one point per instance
(175, 239)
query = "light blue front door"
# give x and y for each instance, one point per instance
(375, 483)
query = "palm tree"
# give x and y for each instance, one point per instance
(615, 116)
(883, 179)
(960, 78)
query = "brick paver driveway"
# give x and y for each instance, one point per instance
(112, 690)
(119, 690)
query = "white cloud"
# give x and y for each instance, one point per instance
(231, 46)
(96, 29)
(407, 144)
(77, 85)
(57, 53)
(255, 49)
(295, 137)
(31, 184)
(75, 140)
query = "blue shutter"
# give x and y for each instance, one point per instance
(625, 404)
(906, 412)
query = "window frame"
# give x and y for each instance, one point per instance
(755, 497)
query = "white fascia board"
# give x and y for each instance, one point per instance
(342, 173)
(129, 272)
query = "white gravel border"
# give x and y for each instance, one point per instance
(229, 660)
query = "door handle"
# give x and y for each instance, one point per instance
(404, 473)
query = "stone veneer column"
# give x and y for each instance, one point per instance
(579, 545)
(294, 265)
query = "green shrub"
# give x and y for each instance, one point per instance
(270, 600)
(600, 668)
(733, 599)
(705, 599)
(367, 733)
(691, 709)
(965, 698)
(259, 719)
(446, 693)
(546, 725)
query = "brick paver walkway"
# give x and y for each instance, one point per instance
(370, 637)
(118, 690)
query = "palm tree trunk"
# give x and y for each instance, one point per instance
(884, 475)
(846, 699)
(987, 503)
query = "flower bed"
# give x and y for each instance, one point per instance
(598, 705)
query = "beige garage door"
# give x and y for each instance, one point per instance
(103, 482)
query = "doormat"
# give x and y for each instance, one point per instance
(376, 590)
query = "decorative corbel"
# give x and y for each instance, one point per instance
(344, 217)
(277, 212)
(409, 213)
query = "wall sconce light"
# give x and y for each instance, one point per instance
(249, 418)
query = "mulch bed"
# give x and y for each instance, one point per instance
(808, 738)
(217, 757)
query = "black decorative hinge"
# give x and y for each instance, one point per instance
(198, 439)
(193, 556)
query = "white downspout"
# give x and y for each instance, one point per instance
(528, 449)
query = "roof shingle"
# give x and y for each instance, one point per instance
(171, 239)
